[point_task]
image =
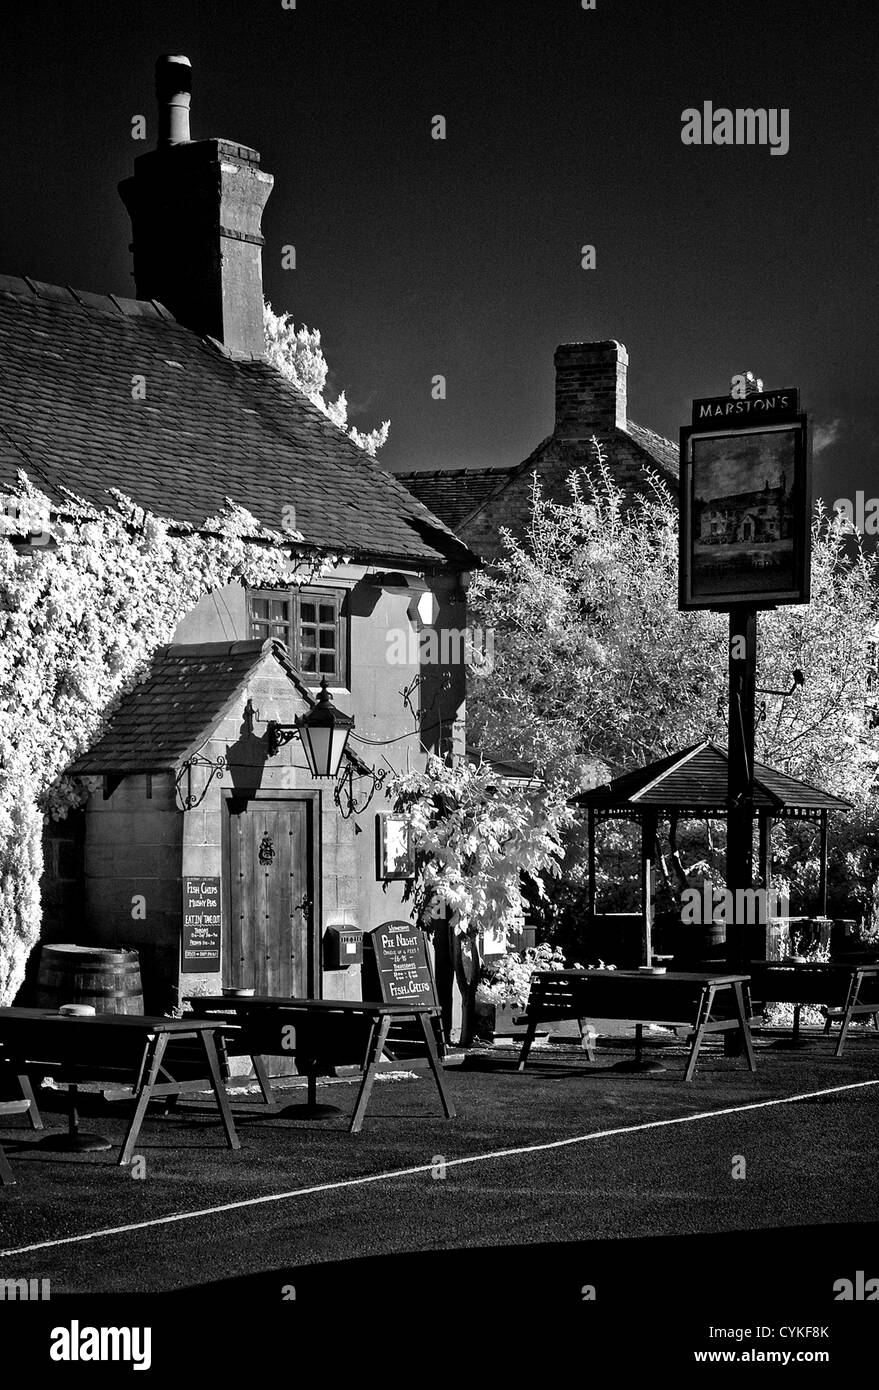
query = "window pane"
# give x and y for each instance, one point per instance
(307, 612)
(328, 638)
(327, 613)
(328, 662)
(308, 661)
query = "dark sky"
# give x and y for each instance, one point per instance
(462, 257)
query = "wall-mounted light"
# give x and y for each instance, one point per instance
(423, 610)
(323, 732)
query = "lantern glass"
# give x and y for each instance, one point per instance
(324, 733)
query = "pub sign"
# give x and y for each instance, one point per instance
(745, 503)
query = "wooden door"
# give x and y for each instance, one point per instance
(267, 927)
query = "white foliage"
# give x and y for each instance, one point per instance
(298, 356)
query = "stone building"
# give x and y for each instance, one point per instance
(746, 518)
(193, 790)
(590, 404)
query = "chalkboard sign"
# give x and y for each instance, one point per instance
(396, 958)
(202, 920)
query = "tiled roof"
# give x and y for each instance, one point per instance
(695, 779)
(458, 494)
(208, 428)
(182, 698)
(661, 450)
(455, 494)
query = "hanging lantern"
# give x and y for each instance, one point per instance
(324, 734)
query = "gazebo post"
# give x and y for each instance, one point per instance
(822, 878)
(649, 825)
(766, 874)
(591, 868)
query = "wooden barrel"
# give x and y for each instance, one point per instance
(107, 979)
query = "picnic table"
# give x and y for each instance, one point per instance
(848, 990)
(154, 1057)
(704, 1002)
(321, 1034)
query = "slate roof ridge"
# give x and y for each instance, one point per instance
(25, 287)
(487, 471)
(250, 646)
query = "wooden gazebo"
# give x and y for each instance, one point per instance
(692, 785)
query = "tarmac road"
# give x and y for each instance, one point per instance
(804, 1163)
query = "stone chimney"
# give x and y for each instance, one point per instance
(590, 388)
(196, 208)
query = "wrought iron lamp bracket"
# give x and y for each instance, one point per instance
(215, 768)
(343, 791)
(279, 734)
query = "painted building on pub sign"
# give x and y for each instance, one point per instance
(199, 814)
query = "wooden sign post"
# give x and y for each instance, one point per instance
(745, 544)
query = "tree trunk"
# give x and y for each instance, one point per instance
(467, 961)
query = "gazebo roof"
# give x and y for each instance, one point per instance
(694, 782)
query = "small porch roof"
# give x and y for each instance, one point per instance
(185, 693)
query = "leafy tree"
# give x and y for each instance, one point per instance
(298, 356)
(474, 839)
(595, 670)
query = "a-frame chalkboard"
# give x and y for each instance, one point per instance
(396, 965)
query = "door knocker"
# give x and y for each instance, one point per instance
(266, 850)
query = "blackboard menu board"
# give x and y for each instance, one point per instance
(399, 956)
(202, 921)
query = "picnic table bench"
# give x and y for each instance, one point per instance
(706, 1003)
(321, 1034)
(848, 991)
(151, 1056)
(27, 1105)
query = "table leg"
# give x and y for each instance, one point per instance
(586, 1038)
(637, 1064)
(530, 1034)
(27, 1091)
(375, 1047)
(703, 1014)
(7, 1177)
(312, 1109)
(262, 1077)
(745, 1026)
(154, 1052)
(427, 1029)
(73, 1140)
(210, 1051)
(850, 1002)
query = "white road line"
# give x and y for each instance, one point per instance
(428, 1167)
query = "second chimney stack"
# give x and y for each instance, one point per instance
(590, 389)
